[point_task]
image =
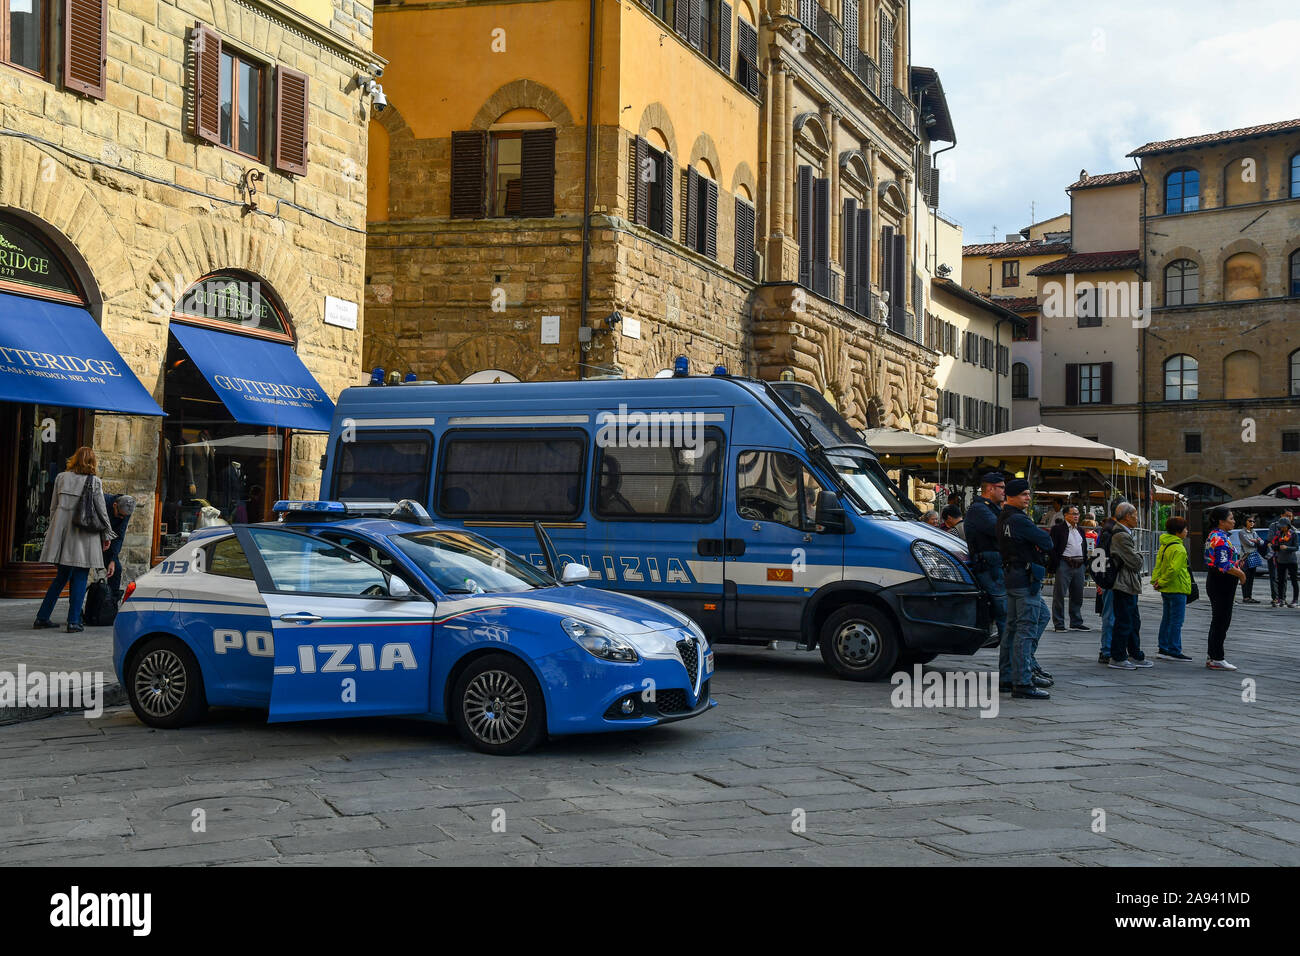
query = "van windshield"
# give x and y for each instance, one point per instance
(827, 425)
(459, 562)
(865, 476)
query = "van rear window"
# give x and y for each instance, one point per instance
(663, 482)
(383, 470)
(512, 476)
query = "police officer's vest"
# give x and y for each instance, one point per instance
(978, 540)
(1016, 552)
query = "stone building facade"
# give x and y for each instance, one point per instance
(734, 112)
(134, 167)
(1221, 357)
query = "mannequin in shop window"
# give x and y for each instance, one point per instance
(230, 487)
(199, 465)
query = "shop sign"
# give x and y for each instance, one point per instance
(24, 261)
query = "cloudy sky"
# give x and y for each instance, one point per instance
(1040, 89)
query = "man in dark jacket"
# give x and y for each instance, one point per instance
(1126, 641)
(1068, 553)
(980, 525)
(120, 509)
(1025, 550)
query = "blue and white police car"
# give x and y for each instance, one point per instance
(346, 611)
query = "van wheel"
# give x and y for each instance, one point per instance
(858, 642)
(164, 684)
(497, 706)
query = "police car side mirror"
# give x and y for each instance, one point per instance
(574, 573)
(398, 588)
(830, 517)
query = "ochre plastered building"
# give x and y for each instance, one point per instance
(730, 146)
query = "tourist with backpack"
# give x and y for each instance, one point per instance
(1126, 637)
(1221, 577)
(1173, 579)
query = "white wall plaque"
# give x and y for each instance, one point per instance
(340, 312)
(550, 330)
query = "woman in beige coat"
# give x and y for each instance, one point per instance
(74, 549)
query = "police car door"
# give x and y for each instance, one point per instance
(344, 645)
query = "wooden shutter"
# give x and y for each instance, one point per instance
(822, 236)
(864, 262)
(691, 206)
(724, 37)
(745, 258)
(886, 57)
(709, 218)
(639, 193)
(887, 269)
(850, 254)
(1107, 379)
(291, 115)
(747, 53)
(670, 177)
(85, 46)
(851, 33)
(538, 173)
(468, 173)
(693, 36)
(682, 17)
(804, 207)
(1072, 383)
(206, 46)
(899, 262)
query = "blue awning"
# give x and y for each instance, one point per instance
(55, 354)
(260, 382)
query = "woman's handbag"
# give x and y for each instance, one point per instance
(1196, 592)
(87, 515)
(1254, 560)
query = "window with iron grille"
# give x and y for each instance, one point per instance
(1192, 443)
(1291, 441)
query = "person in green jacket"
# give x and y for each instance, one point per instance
(1173, 579)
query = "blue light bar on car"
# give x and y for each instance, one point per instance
(326, 507)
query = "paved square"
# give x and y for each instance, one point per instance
(1185, 771)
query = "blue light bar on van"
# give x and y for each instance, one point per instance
(681, 367)
(324, 507)
(719, 370)
(410, 377)
(377, 375)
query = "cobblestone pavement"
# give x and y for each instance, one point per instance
(1185, 771)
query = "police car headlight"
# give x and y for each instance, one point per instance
(937, 563)
(598, 642)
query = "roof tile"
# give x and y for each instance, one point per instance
(1090, 262)
(1211, 139)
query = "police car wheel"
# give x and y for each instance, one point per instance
(858, 643)
(498, 706)
(164, 684)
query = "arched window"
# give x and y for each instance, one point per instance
(1295, 372)
(1295, 176)
(1182, 283)
(1020, 380)
(1182, 191)
(1181, 378)
(1295, 274)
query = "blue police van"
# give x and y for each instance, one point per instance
(751, 506)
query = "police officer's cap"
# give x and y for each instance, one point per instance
(992, 478)
(1017, 486)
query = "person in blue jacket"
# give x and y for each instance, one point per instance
(1025, 549)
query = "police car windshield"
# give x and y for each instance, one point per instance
(462, 563)
(865, 476)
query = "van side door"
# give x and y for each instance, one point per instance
(772, 502)
(658, 525)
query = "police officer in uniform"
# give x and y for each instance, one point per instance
(1025, 549)
(981, 527)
